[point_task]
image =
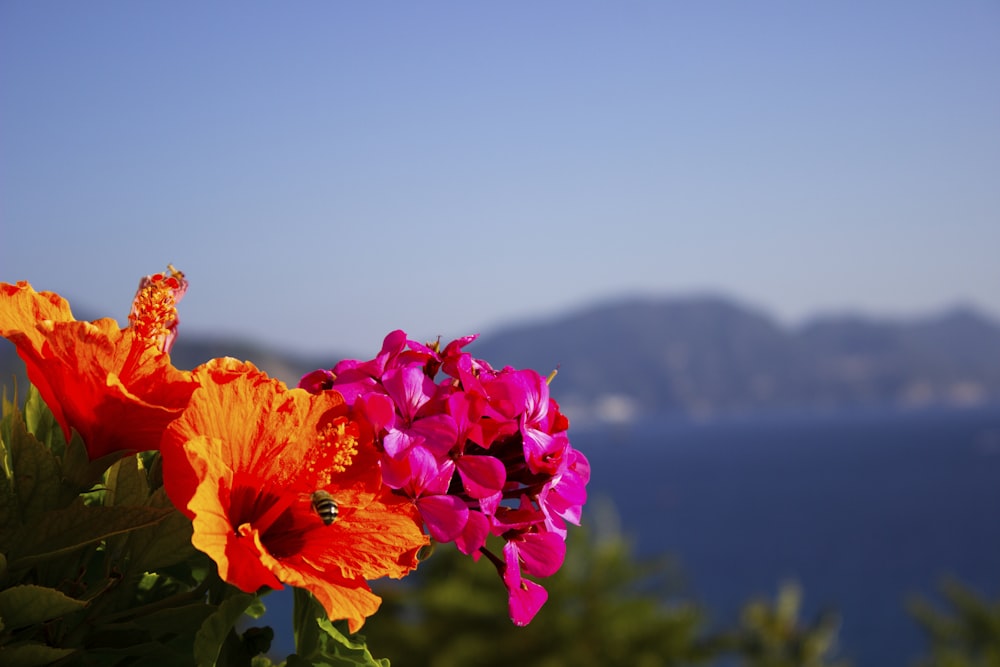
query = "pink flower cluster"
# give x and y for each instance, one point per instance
(479, 452)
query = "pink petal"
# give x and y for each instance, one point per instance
(409, 389)
(395, 472)
(378, 410)
(543, 452)
(439, 433)
(483, 476)
(316, 381)
(541, 554)
(430, 476)
(353, 385)
(473, 537)
(579, 464)
(507, 394)
(536, 396)
(525, 597)
(524, 601)
(398, 442)
(445, 516)
(525, 516)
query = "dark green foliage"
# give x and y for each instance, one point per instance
(97, 565)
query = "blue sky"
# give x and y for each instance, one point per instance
(325, 172)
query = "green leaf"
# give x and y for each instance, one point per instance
(164, 544)
(41, 422)
(216, 629)
(8, 405)
(339, 649)
(31, 654)
(10, 522)
(36, 474)
(59, 532)
(26, 605)
(320, 642)
(175, 625)
(305, 610)
(126, 483)
(9, 413)
(79, 472)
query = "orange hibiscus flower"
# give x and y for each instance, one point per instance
(115, 386)
(244, 462)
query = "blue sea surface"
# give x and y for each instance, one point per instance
(863, 510)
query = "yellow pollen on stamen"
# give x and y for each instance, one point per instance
(154, 309)
(335, 448)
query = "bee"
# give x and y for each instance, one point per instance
(325, 506)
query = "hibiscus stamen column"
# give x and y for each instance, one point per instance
(154, 307)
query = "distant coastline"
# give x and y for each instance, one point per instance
(706, 357)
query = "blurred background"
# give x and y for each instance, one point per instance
(759, 241)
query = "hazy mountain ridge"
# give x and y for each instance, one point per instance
(704, 356)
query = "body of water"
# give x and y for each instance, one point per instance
(862, 510)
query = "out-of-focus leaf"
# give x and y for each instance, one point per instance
(60, 531)
(31, 654)
(216, 628)
(21, 606)
(256, 608)
(964, 632)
